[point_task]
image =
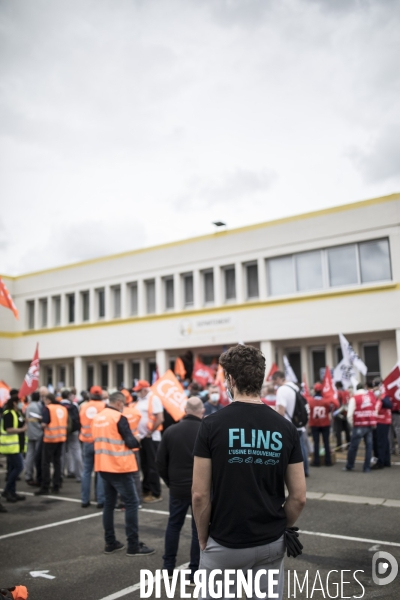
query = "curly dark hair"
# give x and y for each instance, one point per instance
(246, 365)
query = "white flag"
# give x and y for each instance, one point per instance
(289, 373)
(346, 374)
(350, 357)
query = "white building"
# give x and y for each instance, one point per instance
(288, 286)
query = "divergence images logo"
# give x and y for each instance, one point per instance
(381, 561)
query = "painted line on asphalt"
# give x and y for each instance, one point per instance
(133, 588)
(8, 535)
(49, 496)
(350, 538)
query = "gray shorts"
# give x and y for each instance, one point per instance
(265, 557)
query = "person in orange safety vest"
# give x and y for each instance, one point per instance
(133, 415)
(54, 424)
(115, 462)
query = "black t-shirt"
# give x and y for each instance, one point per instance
(250, 446)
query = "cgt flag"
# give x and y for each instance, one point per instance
(168, 389)
(392, 387)
(31, 381)
(203, 374)
(6, 300)
(328, 389)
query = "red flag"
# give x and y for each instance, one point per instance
(272, 370)
(328, 389)
(6, 300)
(391, 387)
(306, 392)
(202, 374)
(4, 393)
(31, 381)
(220, 382)
(179, 368)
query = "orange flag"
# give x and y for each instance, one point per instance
(31, 380)
(179, 368)
(328, 389)
(4, 393)
(168, 389)
(6, 300)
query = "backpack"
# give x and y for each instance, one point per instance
(300, 412)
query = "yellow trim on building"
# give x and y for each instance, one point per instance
(282, 221)
(385, 287)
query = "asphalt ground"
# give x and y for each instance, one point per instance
(72, 552)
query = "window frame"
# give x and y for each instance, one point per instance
(71, 297)
(116, 291)
(185, 277)
(30, 314)
(169, 279)
(43, 302)
(225, 269)
(204, 273)
(246, 266)
(85, 294)
(146, 286)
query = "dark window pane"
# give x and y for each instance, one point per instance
(71, 308)
(135, 370)
(188, 290)
(31, 314)
(117, 301)
(133, 292)
(209, 286)
(85, 306)
(151, 296)
(230, 284)
(371, 359)
(375, 261)
(169, 293)
(120, 374)
(104, 374)
(295, 362)
(101, 299)
(49, 376)
(90, 376)
(252, 281)
(318, 363)
(57, 310)
(152, 368)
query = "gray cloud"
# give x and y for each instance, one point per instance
(381, 161)
(237, 187)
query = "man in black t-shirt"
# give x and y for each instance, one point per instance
(244, 455)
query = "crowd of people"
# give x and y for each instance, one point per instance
(129, 442)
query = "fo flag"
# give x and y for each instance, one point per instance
(6, 300)
(168, 389)
(203, 374)
(289, 373)
(392, 387)
(31, 381)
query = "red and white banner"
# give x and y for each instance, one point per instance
(392, 387)
(203, 374)
(31, 381)
(6, 300)
(168, 389)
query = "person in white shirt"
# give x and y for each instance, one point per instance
(152, 412)
(285, 403)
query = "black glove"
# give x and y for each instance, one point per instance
(293, 545)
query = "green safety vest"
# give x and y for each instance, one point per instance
(9, 442)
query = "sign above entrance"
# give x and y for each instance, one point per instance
(206, 326)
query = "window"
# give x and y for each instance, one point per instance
(71, 308)
(230, 283)
(252, 280)
(61, 377)
(85, 306)
(133, 299)
(116, 294)
(152, 368)
(375, 261)
(101, 303)
(57, 310)
(188, 292)
(135, 370)
(294, 358)
(104, 374)
(342, 263)
(309, 271)
(371, 359)
(30, 307)
(49, 376)
(150, 296)
(119, 368)
(318, 360)
(208, 281)
(169, 292)
(43, 312)
(281, 276)
(89, 376)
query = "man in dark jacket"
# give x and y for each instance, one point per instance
(175, 465)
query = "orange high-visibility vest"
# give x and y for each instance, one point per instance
(56, 430)
(110, 451)
(133, 415)
(87, 413)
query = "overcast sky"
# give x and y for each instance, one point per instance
(126, 123)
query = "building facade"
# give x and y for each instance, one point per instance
(287, 286)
